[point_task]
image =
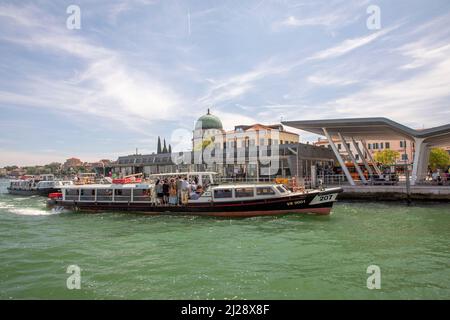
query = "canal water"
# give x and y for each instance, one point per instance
(130, 256)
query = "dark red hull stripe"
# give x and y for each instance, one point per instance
(320, 211)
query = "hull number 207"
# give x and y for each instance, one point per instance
(326, 197)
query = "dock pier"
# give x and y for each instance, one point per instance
(396, 192)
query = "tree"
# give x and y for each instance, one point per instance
(386, 156)
(53, 168)
(170, 148)
(159, 146)
(439, 158)
(31, 170)
(165, 147)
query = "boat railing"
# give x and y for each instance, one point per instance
(141, 198)
(104, 198)
(107, 198)
(87, 198)
(71, 197)
(374, 179)
(122, 198)
(248, 180)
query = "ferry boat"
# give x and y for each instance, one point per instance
(22, 187)
(36, 185)
(220, 200)
(44, 188)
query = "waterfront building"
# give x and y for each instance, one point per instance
(17, 172)
(208, 128)
(260, 135)
(102, 167)
(447, 148)
(405, 148)
(254, 151)
(72, 163)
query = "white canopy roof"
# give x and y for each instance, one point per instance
(374, 128)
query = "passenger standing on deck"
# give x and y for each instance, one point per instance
(198, 192)
(153, 194)
(173, 199)
(179, 187)
(193, 186)
(184, 190)
(166, 191)
(159, 191)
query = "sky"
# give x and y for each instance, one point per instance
(139, 69)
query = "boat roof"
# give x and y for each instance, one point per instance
(245, 185)
(107, 186)
(182, 173)
(147, 185)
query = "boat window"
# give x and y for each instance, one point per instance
(244, 192)
(223, 193)
(141, 195)
(71, 195)
(104, 194)
(263, 191)
(122, 195)
(281, 189)
(87, 194)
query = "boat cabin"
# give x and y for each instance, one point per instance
(46, 177)
(228, 192)
(53, 184)
(146, 193)
(107, 192)
(21, 185)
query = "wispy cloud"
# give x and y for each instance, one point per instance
(240, 84)
(327, 20)
(106, 88)
(350, 44)
(122, 6)
(415, 98)
(330, 15)
(330, 80)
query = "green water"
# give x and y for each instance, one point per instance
(127, 256)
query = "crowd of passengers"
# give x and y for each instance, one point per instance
(177, 190)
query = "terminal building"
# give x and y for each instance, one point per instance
(370, 131)
(254, 151)
(404, 148)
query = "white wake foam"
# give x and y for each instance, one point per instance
(4, 205)
(21, 199)
(32, 212)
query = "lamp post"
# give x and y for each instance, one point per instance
(408, 185)
(296, 155)
(104, 172)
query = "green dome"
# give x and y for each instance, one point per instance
(208, 121)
